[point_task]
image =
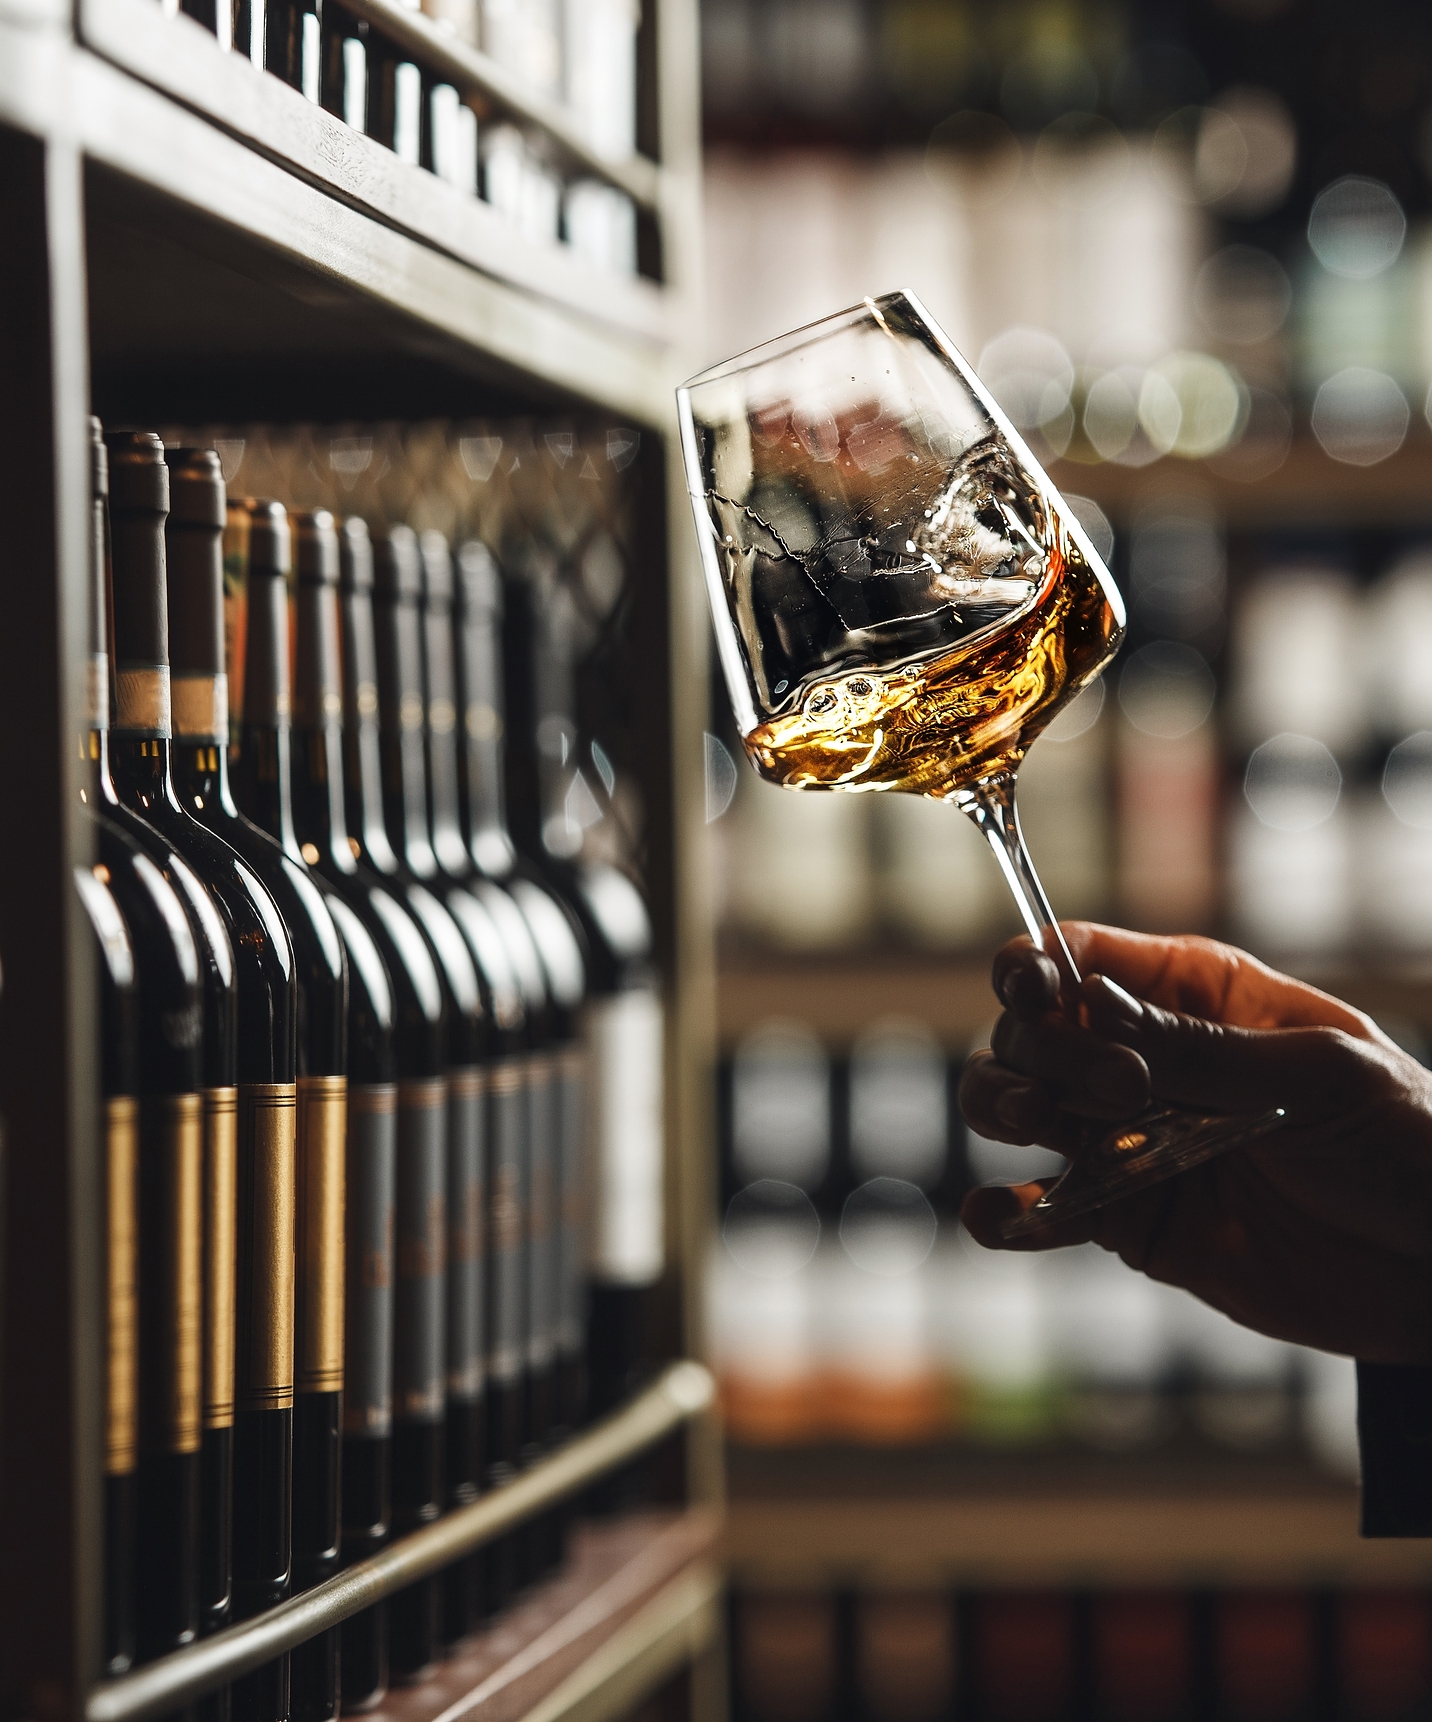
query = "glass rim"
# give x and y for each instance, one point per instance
(781, 346)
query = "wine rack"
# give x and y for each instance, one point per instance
(190, 240)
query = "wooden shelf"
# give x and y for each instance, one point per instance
(354, 252)
(1041, 1538)
(1310, 488)
(841, 994)
(636, 1600)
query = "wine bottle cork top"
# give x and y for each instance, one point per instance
(316, 554)
(479, 582)
(397, 566)
(196, 488)
(138, 477)
(270, 543)
(437, 569)
(355, 556)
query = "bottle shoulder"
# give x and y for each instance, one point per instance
(166, 965)
(301, 903)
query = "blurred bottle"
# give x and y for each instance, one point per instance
(1168, 773)
(1330, 1412)
(525, 37)
(885, 1385)
(1023, 1657)
(1141, 1655)
(1299, 715)
(599, 72)
(1111, 1337)
(1063, 806)
(1241, 1383)
(935, 882)
(993, 1337)
(777, 1156)
(1385, 1655)
(786, 1657)
(599, 223)
(800, 867)
(1265, 1656)
(1394, 817)
(452, 152)
(906, 1656)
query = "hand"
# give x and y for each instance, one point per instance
(1320, 1233)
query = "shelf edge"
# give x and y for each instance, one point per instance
(683, 1391)
(677, 1625)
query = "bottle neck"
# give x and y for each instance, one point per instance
(522, 772)
(481, 780)
(199, 766)
(316, 752)
(140, 771)
(264, 782)
(263, 778)
(362, 759)
(445, 795)
(401, 732)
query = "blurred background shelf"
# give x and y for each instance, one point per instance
(1188, 1538)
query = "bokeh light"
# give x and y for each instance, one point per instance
(1242, 295)
(1356, 227)
(1407, 780)
(1360, 416)
(1292, 783)
(1166, 690)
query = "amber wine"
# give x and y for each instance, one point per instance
(940, 722)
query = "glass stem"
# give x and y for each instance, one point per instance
(991, 806)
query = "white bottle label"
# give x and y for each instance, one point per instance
(624, 1061)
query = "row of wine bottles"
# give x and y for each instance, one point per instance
(1105, 1656)
(336, 58)
(382, 1076)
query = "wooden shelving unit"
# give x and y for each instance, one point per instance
(189, 240)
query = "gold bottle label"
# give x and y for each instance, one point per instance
(221, 1199)
(267, 1158)
(171, 1287)
(322, 1131)
(121, 1407)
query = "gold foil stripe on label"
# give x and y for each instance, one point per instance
(378, 1098)
(171, 1290)
(321, 1137)
(466, 1082)
(422, 1096)
(142, 701)
(267, 1138)
(121, 1400)
(507, 1078)
(221, 1196)
(200, 706)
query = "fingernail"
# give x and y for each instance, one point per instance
(1012, 1106)
(1117, 1002)
(1115, 1082)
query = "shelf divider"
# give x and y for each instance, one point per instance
(683, 1391)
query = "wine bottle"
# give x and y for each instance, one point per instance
(543, 1053)
(170, 1242)
(194, 560)
(622, 1019)
(419, 1437)
(220, 1095)
(267, 1027)
(119, 1125)
(554, 929)
(377, 1140)
(345, 65)
(402, 726)
(533, 1047)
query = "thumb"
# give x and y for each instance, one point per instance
(1309, 1072)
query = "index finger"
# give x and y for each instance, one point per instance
(1203, 978)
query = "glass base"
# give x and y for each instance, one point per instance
(1158, 1144)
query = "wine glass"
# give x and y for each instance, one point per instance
(903, 602)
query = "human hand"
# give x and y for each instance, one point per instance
(1320, 1233)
